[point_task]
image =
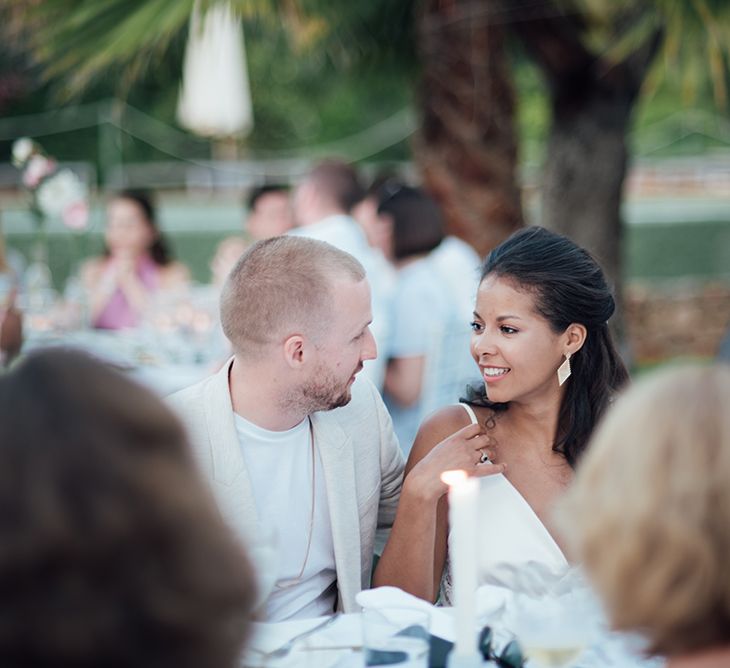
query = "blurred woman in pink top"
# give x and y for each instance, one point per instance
(135, 265)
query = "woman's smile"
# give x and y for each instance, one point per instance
(494, 373)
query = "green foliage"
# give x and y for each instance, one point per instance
(321, 70)
(307, 98)
(365, 33)
(82, 40)
(304, 94)
(696, 39)
(533, 112)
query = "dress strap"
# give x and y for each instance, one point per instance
(470, 412)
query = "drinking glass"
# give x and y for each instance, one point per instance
(554, 634)
(395, 636)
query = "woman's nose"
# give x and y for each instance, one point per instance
(483, 344)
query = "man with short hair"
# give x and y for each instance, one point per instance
(323, 200)
(322, 209)
(295, 447)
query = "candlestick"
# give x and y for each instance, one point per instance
(463, 497)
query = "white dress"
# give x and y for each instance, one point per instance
(515, 548)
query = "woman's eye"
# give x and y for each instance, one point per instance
(475, 326)
(505, 329)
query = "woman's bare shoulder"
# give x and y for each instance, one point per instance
(435, 428)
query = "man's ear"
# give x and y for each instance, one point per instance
(294, 350)
(575, 336)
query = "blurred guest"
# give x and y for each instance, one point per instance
(11, 330)
(378, 230)
(12, 263)
(649, 512)
(323, 202)
(226, 255)
(269, 212)
(429, 362)
(136, 264)
(269, 215)
(11, 334)
(113, 553)
(723, 352)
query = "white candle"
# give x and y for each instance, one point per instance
(463, 498)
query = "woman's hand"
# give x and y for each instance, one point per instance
(124, 267)
(462, 450)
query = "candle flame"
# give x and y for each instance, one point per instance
(453, 478)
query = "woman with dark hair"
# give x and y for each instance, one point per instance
(135, 264)
(549, 369)
(428, 349)
(113, 552)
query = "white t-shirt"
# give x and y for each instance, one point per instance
(280, 468)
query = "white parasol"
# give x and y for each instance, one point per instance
(215, 99)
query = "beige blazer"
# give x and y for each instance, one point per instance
(362, 462)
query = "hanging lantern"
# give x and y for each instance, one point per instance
(215, 99)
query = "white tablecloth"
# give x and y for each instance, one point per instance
(338, 645)
(163, 364)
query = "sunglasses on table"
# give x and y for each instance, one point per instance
(510, 656)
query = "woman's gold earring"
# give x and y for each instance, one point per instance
(564, 370)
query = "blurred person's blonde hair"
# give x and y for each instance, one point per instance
(281, 285)
(649, 511)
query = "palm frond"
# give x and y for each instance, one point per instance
(696, 44)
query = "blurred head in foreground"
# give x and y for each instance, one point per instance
(113, 553)
(649, 512)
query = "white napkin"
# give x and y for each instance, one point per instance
(268, 636)
(346, 632)
(442, 623)
(323, 648)
(491, 601)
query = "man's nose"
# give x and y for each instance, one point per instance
(370, 348)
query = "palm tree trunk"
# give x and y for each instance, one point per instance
(586, 162)
(467, 145)
(583, 177)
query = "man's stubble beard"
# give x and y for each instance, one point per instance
(321, 393)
